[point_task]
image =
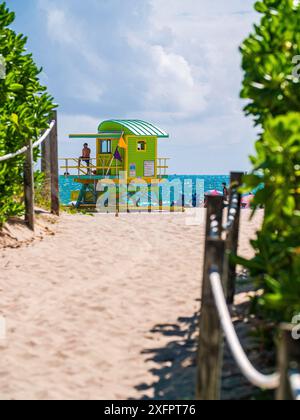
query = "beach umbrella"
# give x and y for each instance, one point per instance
(214, 193)
(247, 200)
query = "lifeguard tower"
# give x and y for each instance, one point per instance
(122, 146)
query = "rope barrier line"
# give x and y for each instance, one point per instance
(294, 378)
(24, 149)
(214, 227)
(255, 377)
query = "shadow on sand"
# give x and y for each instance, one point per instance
(176, 371)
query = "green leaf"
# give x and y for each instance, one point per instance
(16, 87)
(15, 119)
(261, 7)
(273, 95)
(25, 108)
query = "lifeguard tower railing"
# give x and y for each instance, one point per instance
(162, 167)
(104, 166)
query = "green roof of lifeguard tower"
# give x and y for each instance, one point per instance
(135, 127)
(116, 128)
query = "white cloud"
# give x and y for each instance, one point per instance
(66, 31)
(72, 124)
(170, 64)
(85, 89)
(170, 85)
(190, 56)
(58, 26)
(173, 62)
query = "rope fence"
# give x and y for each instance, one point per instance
(49, 143)
(25, 148)
(256, 378)
(218, 290)
(294, 379)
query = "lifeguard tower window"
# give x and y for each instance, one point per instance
(105, 147)
(141, 146)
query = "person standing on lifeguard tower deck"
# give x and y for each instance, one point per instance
(86, 156)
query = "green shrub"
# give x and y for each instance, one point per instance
(268, 64)
(25, 110)
(274, 95)
(42, 190)
(276, 266)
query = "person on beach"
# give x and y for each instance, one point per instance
(86, 156)
(225, 191)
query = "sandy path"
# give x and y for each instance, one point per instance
(103, 309)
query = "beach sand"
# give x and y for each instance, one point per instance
(105, 309)
(15, 234)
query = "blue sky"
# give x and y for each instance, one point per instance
(172, 62)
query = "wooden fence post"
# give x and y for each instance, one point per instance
(29, 187)
(46, 165)
(232, 239)
(45, 159)
(54, 167)
(288, 359)
(210, 351)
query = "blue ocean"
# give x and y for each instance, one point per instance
(211, 182)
